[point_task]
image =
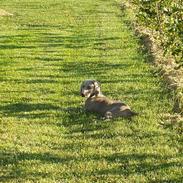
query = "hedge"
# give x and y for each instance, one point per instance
(165, 18)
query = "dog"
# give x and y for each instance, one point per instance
(98, 103)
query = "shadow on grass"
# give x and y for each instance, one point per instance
(143, 163)
(89, 68)
(77, 121)
(74, 115)
(11, 46)
(29, 110)
(26, 107)
(128, 164)
(15, 159)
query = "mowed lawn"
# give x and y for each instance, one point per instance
(46, 50)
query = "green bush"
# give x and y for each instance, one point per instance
(166, 18)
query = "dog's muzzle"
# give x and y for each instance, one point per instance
(85, 93)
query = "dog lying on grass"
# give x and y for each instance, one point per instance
(97, 102)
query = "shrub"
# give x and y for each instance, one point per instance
(165, 17)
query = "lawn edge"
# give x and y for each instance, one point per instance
(165, 65)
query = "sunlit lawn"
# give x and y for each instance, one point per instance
(46, 50)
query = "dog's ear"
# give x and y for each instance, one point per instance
(97, 87)
(96, 84)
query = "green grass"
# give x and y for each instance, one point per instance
(47, 49)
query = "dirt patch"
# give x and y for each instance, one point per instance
(5, 13)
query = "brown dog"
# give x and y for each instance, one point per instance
(97, 102)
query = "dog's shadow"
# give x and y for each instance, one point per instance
(77, 119)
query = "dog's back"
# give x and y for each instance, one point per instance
(108, 108)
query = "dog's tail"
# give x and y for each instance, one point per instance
(130, 113)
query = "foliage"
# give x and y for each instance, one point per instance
(166, 18)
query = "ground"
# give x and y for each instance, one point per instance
(47, 49)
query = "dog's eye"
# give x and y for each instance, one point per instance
(89, 87)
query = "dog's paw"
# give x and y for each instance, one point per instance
(107, 116)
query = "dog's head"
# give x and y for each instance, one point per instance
(90, 88)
